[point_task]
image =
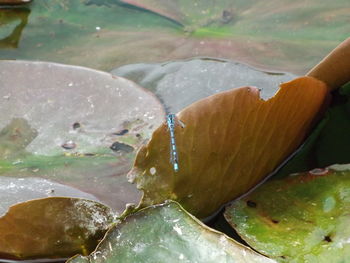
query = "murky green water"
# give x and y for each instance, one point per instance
(105, 34)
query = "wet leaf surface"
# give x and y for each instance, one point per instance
(58, 122)
(230, 142)
(180, 83)
(167, 233)
(105, 34)
(301, 218)
(55, 227)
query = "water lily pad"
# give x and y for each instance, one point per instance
(229, 142)
(54, 227)
(14, 2)
(60, 122)
(301, 218)
(17, 190)
(167, 233)
(180, 83)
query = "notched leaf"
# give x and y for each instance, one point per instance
(231, 141)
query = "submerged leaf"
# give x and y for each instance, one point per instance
(15, 137)
(300, 218)
(193, 13)
(167, 233)
(60, 122)
(101, 33)
(230, 142)
(52, 228)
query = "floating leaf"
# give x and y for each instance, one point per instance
(52, 228)
(301, 218)
(167, 233)
(230, 142)
(60, 122)
(180, 83)
(14, 2)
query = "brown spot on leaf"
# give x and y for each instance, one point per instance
(327, 238)
(251, 204)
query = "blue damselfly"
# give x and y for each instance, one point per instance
(171, 121)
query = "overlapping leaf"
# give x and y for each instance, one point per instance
(167, 233)
(300, 218)
(230, 142)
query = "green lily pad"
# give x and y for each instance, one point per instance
(300, 218)
(54, 227)
(167, 233)
(181, 83)
(74, 125)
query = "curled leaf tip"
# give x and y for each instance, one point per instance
(334, 69)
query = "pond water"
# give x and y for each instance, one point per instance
(104, 34)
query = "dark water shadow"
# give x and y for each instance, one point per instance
(10, 15)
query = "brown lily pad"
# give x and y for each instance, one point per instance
(52, 228)
(60, 122)
(334, 69)
(14, 2)
(230, 142)
(17, 190)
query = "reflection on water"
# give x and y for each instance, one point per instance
(105, 34)
(12, 23)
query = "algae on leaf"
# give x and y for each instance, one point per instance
(231, 141)
(167, 233)
(300, 218)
